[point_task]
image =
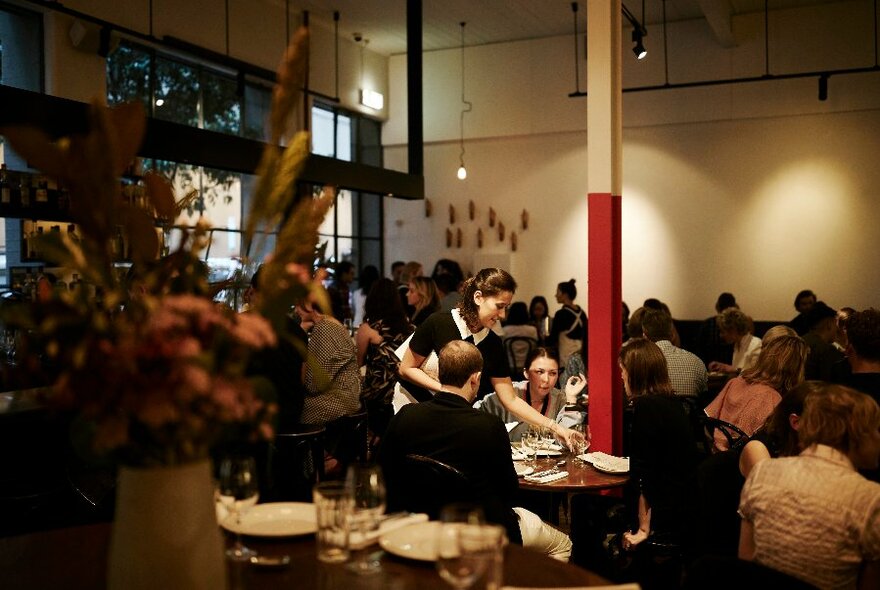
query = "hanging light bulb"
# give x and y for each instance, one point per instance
(462, 171)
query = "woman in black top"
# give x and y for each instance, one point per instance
(662, 451)
(569, 332)
(484, 301)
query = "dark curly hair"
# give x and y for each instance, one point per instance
(489, 282)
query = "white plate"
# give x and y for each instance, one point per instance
(278, 519)
(523, 470)
(413, 542)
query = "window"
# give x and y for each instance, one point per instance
(353, 227)
(21, 66)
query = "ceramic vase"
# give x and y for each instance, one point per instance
(165, 532)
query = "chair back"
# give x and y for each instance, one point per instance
(346, 439)
(736, 437)
(518, 349)
(295, 463)
(429, 485)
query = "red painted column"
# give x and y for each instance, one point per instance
(604, 165)
(605, 335)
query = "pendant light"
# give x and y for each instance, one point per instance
(466, 108)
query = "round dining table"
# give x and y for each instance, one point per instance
(582, 477)
(77, 558)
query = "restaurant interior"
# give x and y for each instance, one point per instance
(457, 130)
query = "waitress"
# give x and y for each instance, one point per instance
(484, 302)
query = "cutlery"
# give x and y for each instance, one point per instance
(276, 561)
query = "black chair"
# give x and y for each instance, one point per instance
(295, 463)
(346, 439)
(736, 437)
(428, 486)
(518, 349)
(730, 573)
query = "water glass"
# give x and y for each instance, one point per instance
(467, 553)
(333, 505)
(368, 504)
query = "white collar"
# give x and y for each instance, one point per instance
(463, 329)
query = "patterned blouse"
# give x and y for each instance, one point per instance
(333, 388)
(382, 364)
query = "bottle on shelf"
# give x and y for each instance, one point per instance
(24, 189)
(5, 189)
(41, 194)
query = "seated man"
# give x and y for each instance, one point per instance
(687, 373)
(448, 429)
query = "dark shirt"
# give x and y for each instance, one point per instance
(663, 459)
(448, 429)
(709, 345)
(440, 329)
(799, 324)
(868, 383)
(338, 292)
(281, 365)
(572, 323)
(821, 360)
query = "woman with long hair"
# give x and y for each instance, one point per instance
(484, 302)
(813, 516)
(539, 316)
(423, 298)
(748, 399)
(540, 391)
(662, 457)
(384, 329)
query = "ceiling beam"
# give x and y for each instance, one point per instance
(718, 14)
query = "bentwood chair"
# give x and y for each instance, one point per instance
(347, 440)
(736, 437)
(295, 463)
(427, 486)
(518, 349)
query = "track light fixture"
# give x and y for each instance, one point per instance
(639, 31)
(823, 87)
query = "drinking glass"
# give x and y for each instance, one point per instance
(368, 495)
(238, 492)
(459, 561)
(527, 445)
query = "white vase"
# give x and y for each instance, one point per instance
(165, 533)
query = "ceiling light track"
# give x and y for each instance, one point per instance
(639, 31)
(577, 77)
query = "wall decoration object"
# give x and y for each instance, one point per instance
(513, 241)
(472, 210)
(500, 231)
(448, 238)
(458, 238)
(429, 207)
(491, 217)
(524, 217)
(451, 214)
(480, 238)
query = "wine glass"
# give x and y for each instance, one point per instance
(368, 494)
(238, 492)
(458, 563)
(528, 446)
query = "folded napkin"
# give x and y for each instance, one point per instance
(607, 462)
(544, 477)
(356, 540)
(511, 425)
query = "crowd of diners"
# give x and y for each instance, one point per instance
(794, 494)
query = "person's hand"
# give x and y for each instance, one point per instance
(573, 386)
(567, 436)
(632, 540)
(721, 367)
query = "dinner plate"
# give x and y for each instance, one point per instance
(523, 470)
(412, 542)
(275, 519)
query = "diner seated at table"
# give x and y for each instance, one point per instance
(748, 399)
(446, 428)
(736, 328)
(720, 477)
(821, 333)
(687, 373)
(423, 298)
(539, 391)
(813, 516)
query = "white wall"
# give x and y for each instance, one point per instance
(759, 189)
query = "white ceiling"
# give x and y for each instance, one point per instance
(383, 22)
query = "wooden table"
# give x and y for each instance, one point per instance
(582, 477)
(77, 558)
